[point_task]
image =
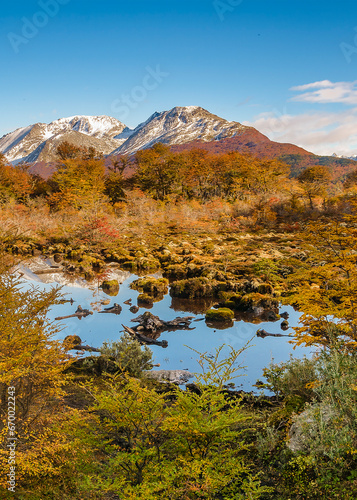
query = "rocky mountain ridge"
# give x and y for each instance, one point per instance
(182, 128)
(38, 142)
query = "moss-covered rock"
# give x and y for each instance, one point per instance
(265, 288)
(151, 286)
(198, 287)
(251, 301)
(284, 325)
(176, 271)
(145, 298)
(110, 287)
(221, 314)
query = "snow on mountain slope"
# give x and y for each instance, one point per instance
(178, 126)
(33, 143)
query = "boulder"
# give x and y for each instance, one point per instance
(305, 427)
(178, 377)
(221, 314)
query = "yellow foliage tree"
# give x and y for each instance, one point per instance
(32, 365)
(324, 286)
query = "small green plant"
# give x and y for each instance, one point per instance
(334, 409)
(219, 372)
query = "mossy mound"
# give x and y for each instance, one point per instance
(198, 287)
(250, 301)
(20, 248)
(145, 263)
(110, 287)
(151, 286)
(265, 288)
(255, 302)
(94, 365)
(230, 304)
(221, 314)
(230, 300)
(146, 300)
(89, 262)
(176, 271)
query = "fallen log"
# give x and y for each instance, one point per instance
(50, 270)
(143, 339)
(154, 324)
(116, 309)
(80, 313)
(65, 301)
(263, 334)
(85, 348)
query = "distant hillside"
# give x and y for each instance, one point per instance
(254, 143)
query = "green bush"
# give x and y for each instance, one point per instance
(140, 444)
(291, 378)
(334, 409)
(129, 355)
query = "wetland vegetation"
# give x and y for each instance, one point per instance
(239, 234)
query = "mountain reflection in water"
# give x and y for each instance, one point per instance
(182, 344)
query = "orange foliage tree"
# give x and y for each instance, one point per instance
(15, 182)
(79, 179)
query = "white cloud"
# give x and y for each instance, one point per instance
(315, 85)
(327, 92)
(322, 133)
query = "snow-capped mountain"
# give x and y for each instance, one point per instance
(179, 126)
(38, 142)
(354, 158)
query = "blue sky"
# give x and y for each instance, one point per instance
(287, 67)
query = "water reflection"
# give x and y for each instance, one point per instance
(97, 328)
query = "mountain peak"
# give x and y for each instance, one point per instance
(179, 125)
(39, 141)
